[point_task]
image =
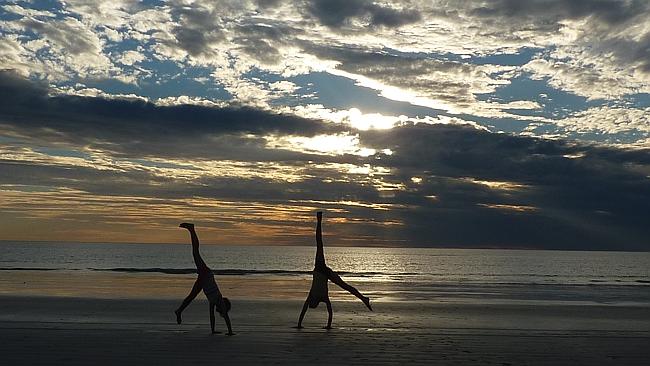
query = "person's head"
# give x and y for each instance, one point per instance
(224, 306)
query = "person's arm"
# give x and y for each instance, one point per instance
(329, 314)
(302, 313)
(212, 318)
(227, 319)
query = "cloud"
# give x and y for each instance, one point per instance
(135, 126)
(554, 180)
(445, 84)
(426, 52)
(198, 29)
(612, 124)
(11, 56)
(608, 11)
(602, 41)
(418, 184)
(131, 57)
(82, 142)
(339, 13)
(73, 43)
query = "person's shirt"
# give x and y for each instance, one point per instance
(319, 285)
(210, 288)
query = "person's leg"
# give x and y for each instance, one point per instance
(320, 255)
(196, 289)
(200, 264)
(334, 277)
(201, 267)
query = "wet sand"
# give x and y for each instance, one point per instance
(46, 330)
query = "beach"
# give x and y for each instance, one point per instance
(80, 304)
(74, 331)
(121, 325)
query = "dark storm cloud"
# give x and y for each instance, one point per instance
(136, 127)
(338, 13)
(570, 196)
(609, 11)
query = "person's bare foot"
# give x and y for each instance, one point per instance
(366, 300)
(187, 225)
(178, 317)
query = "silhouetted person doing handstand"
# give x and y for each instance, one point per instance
(205, 282)
(319, 291)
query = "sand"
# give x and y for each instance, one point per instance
(106, 318)
(57, 330)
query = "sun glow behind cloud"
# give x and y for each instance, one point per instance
(323, 144)
(505, 186)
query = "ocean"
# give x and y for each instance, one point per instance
(393, 273)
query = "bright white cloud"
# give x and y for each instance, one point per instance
(423, 53)
(609, 121)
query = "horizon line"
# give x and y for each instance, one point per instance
(523, 248)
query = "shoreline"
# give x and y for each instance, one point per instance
(146, 285)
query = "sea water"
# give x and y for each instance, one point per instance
(423, 273)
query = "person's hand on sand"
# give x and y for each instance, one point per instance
(187, 225)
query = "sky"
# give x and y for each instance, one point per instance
(465, 123)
